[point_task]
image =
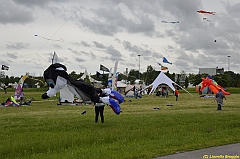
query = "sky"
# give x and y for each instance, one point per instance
(87, 33)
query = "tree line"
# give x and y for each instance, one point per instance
(228, 79)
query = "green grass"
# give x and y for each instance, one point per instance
(45, 130)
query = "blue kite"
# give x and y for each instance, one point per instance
(166, 61)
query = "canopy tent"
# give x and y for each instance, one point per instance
(129, 92)
(163, 79)
(121, 84)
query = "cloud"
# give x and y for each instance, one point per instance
(114, 55)
(17, 46)
(99, 45)
(79, 59)
(107, 31)
(12, 55)
(13, 13)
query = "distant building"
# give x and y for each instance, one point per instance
(211, 71)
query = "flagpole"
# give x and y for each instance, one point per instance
(139, 67)
(53, 56)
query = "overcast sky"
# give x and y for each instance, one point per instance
(87, 33)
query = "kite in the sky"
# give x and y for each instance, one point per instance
(166, 61)
(173, 22)
(60, 40)
(57, 78)
(206, 12)
(205, 19)
(162, 67)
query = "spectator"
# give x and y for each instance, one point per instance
(176, 94)
(219, 98)
(99, 108)
(5, 89)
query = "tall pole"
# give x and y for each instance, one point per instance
(229, 69)
(139, 67)
(228, 63)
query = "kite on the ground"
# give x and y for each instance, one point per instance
(61, 40)
(57, 78)
(206, 12)
(173, 22)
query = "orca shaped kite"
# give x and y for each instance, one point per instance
(57, 78)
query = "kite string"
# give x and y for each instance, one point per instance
(60, 28)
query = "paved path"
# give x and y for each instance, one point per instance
(231, 151)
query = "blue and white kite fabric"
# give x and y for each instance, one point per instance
(113, 100)
(166, 61)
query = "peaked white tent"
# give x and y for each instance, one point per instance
(163, 79)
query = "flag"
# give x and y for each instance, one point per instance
(4, 67)
(109, 84)
(55, 58)
(114, 84)
(164, 68)
(166, 61)
(100, 76)
(103, 68)
(116, 79)
(159, 64)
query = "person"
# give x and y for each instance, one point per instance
(5, 89)
(176, 94)
(219, 98)
(99, 108)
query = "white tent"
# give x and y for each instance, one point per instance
(163, 79)
(121, 84)
(129, 91)
(66, 95)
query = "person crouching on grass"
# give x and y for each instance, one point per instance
(219, 98)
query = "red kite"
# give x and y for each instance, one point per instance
(206, 12)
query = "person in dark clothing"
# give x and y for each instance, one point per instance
(99, 108)
(219, 98)
(5, 89)
(176, 94)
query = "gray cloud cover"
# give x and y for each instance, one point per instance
(102, 32)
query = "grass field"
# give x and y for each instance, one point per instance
(45, 130)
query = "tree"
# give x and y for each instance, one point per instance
(221, 79)
(150, 75)
(195, 79)
(74, 75)
(132, 76)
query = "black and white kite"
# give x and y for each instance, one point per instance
(57, 78)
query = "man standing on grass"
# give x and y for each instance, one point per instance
(219, 98)
(176, 94)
